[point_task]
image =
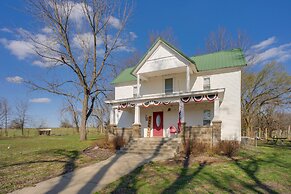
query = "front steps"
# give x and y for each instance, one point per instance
(162, 147)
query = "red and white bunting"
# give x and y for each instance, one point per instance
(198, 98)
(211, 97)
(125, 105)
(186, 99)
(166, 103)
(146, 104)
(156, 103)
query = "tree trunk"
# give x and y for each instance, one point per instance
(22, 131)
(6, 126)
(83, 131)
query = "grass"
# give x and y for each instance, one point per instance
(27, 160)
(265, 169)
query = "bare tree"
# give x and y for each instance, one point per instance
(5, 112)
(81, 47)
(270, 86)
(167, 34)
(21, 115)
(70, 107)
(223, 40)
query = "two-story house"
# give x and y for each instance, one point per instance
(167, 89)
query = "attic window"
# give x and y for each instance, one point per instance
(169, 85)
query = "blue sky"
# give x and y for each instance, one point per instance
(267, 24)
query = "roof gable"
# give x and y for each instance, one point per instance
(162, 50)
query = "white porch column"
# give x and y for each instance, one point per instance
(188, 78)
(216, 109)
(182, 111)
(112, 116)
(137, 115)
(138, 85)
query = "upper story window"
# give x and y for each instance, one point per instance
(134, 91)
(169, 85)
(206, 83)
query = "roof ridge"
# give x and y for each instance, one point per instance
(234, 49)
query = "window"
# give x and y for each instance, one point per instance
(134, 91)
(206, 83)
(169, 85)
(206, 117)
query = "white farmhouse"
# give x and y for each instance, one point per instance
(168, 92)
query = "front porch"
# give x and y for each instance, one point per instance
(158, 117)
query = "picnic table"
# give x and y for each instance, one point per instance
(44, 132)
(277, 140)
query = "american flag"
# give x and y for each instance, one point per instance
(181, 111)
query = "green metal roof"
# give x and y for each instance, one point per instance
(125, 76)
(219, 60)
(212, 61)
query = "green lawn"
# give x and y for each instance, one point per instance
(25, 161)
(265, 169)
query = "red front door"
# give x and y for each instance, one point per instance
(158, 122)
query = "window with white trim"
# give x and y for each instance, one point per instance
(206, 83)
(206, 117)
(169, 85)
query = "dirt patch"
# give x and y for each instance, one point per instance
(201, 159)
(97, 152)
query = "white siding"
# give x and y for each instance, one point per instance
(124, 91)
(156, 85)
(162, 59)
(230, 108)
(124, 119)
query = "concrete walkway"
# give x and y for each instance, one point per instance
(92, 178)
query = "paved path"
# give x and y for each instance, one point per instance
(91, 178)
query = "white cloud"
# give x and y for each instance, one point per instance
(43, 64)
(15, 79)
(47, 30)
(40, 100)
(115, 22)
(20, 48)
(264, 44)
(132, 35)
(6, 30)
(85, 40)
(267, 51)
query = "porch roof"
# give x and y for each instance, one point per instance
(219, 91)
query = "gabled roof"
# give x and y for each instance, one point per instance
(219, 60)
(153, 47)
(124, 76)
(206, 62)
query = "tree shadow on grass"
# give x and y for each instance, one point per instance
(184, 177)
(69, 167)
(251, 167)
(128, 183)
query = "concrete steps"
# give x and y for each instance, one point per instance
(163, 147)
